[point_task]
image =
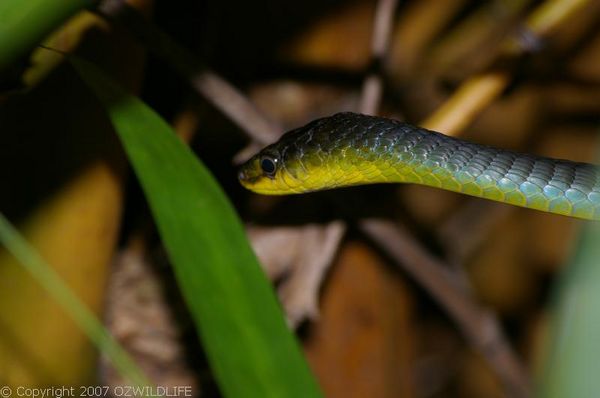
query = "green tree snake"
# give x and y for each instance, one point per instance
(353, 149)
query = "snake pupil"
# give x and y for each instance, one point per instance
(268, 165)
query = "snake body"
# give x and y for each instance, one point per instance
(352, 149)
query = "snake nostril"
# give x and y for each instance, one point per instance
(241, 175)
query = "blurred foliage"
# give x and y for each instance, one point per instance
(24, 24)
(574, 347)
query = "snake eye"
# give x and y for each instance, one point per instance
(268, 165)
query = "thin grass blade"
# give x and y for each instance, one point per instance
(83, 317)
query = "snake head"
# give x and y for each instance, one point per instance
(319, 155)
(291, 165)
(262, 173)
(276, 170)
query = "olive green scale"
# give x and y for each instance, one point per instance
(352, 149)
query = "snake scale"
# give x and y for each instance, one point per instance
(353, 149)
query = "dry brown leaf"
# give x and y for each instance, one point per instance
(363, 344)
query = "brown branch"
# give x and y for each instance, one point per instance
(382, 29)
(480, 326)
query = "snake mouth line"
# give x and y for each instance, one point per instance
(244, 179)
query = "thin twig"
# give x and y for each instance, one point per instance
(309, 252)
(236, 106)
(207, 83)
(382, 29)
(469, 226)
(479, 325)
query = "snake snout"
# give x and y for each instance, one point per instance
(241, 175)
(247, 176)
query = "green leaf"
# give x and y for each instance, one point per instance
(250, 348)
(25, 23)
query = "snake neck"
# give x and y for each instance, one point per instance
(375, 150)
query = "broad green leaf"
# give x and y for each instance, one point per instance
(250, 349)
